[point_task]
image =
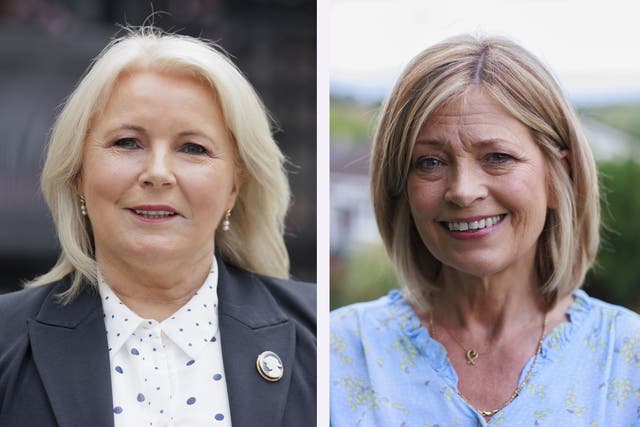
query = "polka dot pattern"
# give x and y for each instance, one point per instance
(169, 372)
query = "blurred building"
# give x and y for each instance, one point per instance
(45, 46)
(608, 143)
(352, 220)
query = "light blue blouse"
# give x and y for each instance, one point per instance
(387, 371)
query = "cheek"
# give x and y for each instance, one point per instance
(424, 198)
(208, 190)
(107, 175)
(99, 185)
(527, 197)
(539, 185)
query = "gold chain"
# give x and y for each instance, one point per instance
(518, 389)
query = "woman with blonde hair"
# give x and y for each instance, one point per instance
(486, 197)
(170, 295)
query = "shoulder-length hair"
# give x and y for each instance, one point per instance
(520, 82)
(255, 241)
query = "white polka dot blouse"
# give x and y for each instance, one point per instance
(168, 373)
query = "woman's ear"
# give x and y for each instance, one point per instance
(235, 189)
(78, 183)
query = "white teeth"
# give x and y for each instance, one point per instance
(154, 214)
(475, 225)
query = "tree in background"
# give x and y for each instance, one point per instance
(616, 277)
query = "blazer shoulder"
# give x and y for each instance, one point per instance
(296, 299)
(294, 296)
(16, 308)
(23, 304)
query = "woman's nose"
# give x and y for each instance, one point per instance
(465, 186)
(158, 170)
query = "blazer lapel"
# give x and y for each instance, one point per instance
(69, 345)
(250, 323)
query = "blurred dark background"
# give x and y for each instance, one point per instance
(45, 46)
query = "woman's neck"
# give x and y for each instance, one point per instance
(488, 325)
(155, 290)
(488, 307)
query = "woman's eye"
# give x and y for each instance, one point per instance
(498, 158)
(191, 148)
(427, 163)
(127, 143)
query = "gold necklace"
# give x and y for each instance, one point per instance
(470, 353)
(519, 388)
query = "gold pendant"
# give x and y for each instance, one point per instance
(472, 356)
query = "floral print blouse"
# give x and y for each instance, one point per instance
(387, 371)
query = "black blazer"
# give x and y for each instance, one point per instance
(54, 364)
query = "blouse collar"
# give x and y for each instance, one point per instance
(190, 328)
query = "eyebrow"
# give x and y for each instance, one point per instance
(188, 133)
(439, 143)
(131, 127)
(432, 142)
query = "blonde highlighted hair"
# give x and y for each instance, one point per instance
(255, 241)
(516, 79)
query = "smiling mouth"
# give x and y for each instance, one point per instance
(154, 214)
(472, 226)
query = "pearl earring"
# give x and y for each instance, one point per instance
(226, 224)
(83, 206)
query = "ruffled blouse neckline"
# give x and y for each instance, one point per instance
(436, 354)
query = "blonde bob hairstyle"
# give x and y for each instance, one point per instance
(255, 240)
(516, 79)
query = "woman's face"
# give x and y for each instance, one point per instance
(158, 169)
(477, 187)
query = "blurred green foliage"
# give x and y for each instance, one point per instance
(367, 273)
(361, 275)
(352, 122)
(616, 277)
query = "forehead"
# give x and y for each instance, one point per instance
(472, 115)
(144, 81)
(139, 93)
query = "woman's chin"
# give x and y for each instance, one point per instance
(476, 267)
(158, 250)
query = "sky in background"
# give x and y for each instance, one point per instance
(593, 47)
